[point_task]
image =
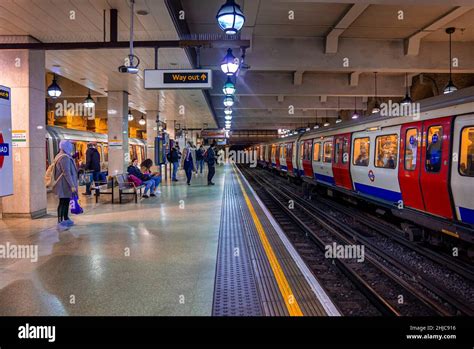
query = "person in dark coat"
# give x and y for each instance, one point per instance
(211, 163)
(200, 158)
(174, 159)
(92, 166)
(188, 162)
(65, 173)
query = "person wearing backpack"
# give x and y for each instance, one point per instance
(200, 158)
(65, 183)
(188, 162)
(174, 159)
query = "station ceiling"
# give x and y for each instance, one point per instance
(315, 55)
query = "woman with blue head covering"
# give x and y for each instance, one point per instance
(65, 173)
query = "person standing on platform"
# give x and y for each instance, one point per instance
(188, 162)
(174, 159)
(211, 162)
(92, 166)
(200, 158)
(65, 173)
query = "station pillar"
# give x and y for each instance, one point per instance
(117, 124)
(151, 134)
(24, 72)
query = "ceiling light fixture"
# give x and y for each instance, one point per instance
(229, 87)
(450, 87)
(355, 115)
(89, 101)
(142, 121)
(54, 91)
(230, 17)
(228, 117)
(338, 120)
(407, 100)
(376, 108)
(228, 111)
(130, 115)
(230, 63)
(229, 101)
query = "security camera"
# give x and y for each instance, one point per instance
(123, 69)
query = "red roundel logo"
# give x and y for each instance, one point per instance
(371, 176)
(2, 158)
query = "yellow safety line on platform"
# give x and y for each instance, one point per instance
(285, 289)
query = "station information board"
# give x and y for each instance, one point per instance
(6, 164)
(178, 79)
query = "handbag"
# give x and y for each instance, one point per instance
(135, 180)
(74, 205)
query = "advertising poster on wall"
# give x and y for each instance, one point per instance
(6, 165)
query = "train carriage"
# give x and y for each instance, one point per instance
(421, 167)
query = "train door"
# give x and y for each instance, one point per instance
(289, 157)
(277, 156)
(300, 158)
(410, 165)
(340, 166)
(435, 171)
(283, 166)
(462, 171)
(307, 150)
(323, 168)
(273, 156)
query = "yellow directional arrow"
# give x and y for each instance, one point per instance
(203, 76)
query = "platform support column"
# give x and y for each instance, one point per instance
(151, 134)
(24, 72)
(117, 124)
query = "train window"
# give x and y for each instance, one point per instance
(386, 151)
(337, 149)
(289, 150)
(434, 143)
(106, 153)
(361, 153)
(317, 152)
(327, 151)
(283, 150)
(273, 150)
(345, 150)
(466, 163)
(301, 150)
(411, 149)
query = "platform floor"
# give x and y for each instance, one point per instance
(174, 254)
(170, 269)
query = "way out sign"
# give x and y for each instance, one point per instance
(178, 79)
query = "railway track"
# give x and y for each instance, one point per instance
(390, 285)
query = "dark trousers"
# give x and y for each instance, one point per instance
(63, 209)
(210, 174)
(189, 173)
(95, 178)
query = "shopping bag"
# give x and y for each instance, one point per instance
(74, 205)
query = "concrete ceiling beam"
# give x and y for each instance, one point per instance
(315, 84)
(332, 39)
(413, 43)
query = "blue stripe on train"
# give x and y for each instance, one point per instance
(283, 168)
(467, 215)
(325, 179)
(274, 165)
(301, 173)
(295, 171)
(384, 194)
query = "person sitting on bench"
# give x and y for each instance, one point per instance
(149, 184)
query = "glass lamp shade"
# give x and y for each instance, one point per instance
(228, 117)
(227, 111)
(130, 116)
(230, 63)
(54, 91)
(326, 124)
(89, 101)
(230, 17)
(376, 108)
(229, 87)
(228, 101)
(406, 101)
(338, 120)
(450, 88)
(142, 121)
(355, 115)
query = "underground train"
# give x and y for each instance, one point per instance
(419, 167)
(79, 139)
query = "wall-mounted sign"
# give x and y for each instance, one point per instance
(19, 138)
(178, 79)
(6, 164)
(213, 134)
